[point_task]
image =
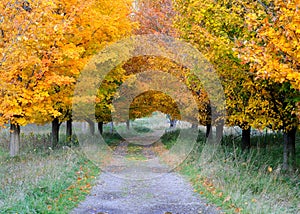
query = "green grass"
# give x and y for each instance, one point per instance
(169, 138)
(136, 157)
(134, 153)
(242, 182)
(42, 180)
(142, 129)
(112, 139)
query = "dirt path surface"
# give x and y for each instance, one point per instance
(136, 182)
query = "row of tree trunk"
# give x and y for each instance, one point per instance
(56, 125)
(246, 135)
(289, 143)
(219, 132)
(289, 138)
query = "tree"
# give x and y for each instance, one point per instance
(176, 76)
(213, 26)
(86, 36)
(155, 17)
(274, 56)
(26, 30)
(252, 45)
(44, 46)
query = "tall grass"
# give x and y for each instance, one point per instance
(40, 179)
(245, 182)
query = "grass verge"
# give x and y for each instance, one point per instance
(237, 182)
(44, 181)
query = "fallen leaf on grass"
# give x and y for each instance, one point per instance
(237, 210)
(270, 169)
(227, 199)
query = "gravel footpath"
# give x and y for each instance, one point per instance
(129, 186)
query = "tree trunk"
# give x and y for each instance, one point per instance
(265, 139)
(246, 139)
(100, 127)
(14, 145)
(69, 130)
(111, 127)
(219, 132)
(292, 147)
(289, 149)
(128, 124)
(91, 126)
(208, 134)
(55, 132)
(194, 126)
(172, 123)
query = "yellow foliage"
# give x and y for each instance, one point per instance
(43, 49)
